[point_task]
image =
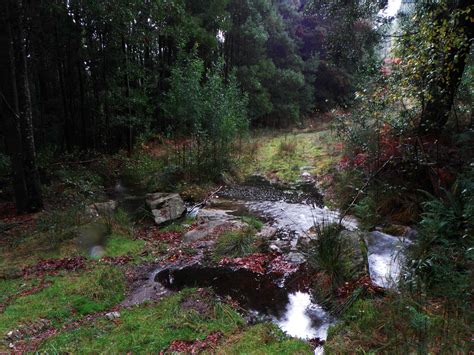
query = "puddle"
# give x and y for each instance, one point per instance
(264, 296)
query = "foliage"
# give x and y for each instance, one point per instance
(142, 170)
(366, 211)
(398, 323)
(434, 49)
(441, 258)
(213, 113)
(79, 182)
(61, 224)
(4, 164)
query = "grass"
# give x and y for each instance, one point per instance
(235, 244)
(178, 226)
(330, 253)
(118, 245)
(152, 328)
(397, 324)
(69, 297)
(262, 339)
(254, 222)
(283, 156)
(148, 328)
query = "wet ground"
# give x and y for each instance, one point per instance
(267, 296)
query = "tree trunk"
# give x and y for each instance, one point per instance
(17, 109)
(443, 91)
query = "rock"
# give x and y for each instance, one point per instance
(96, 252)
(295, 258)
(357, 249)
(113, 315)
(211, 223)
(102, 208)
(165, 207)
(212, 214)
(267, 232)
(306, 176)
(274, 248)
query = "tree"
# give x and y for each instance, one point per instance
(435, 48)
(16, 107)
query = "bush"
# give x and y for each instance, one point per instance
(442, 256)
(330, 253)
(366, 211)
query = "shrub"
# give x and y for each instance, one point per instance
(366, 211)
(441, 257)
(330, 253)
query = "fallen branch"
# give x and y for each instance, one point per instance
(206, 199)
(346, 211)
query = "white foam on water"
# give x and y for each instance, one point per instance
(385, 256)
(304, 319)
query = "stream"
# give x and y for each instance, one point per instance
(292, 214)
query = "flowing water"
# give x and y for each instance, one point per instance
(293, 214)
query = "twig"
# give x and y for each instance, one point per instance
(206, 199)
(346, 211)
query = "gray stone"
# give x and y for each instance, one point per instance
(113, 315)
(212, 228)
(211, 222)
(165, 207)
(267, 232)
(295, 258)
(102, 208)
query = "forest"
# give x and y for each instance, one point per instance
(236, 176)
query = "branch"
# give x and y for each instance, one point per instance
(346, 211)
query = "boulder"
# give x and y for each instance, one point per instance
(211, 223)
(267, 232)
(165, 207)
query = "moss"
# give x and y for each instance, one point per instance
(262, 339)
(118, 245)
(70, 296)
(147, 328)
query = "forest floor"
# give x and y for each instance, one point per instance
(55, 296)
